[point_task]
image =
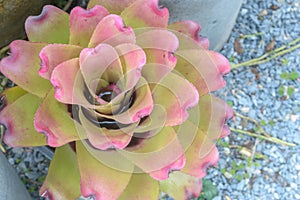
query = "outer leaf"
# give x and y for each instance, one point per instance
(54, 54)
(205, 69)
(181, 186)
(51, 26)
(201, 154)
(214, 108)
(112, 30)
(83, 22)
(141, 187)
(59, 127)
(113, 6)
(10, 95)
(154, 38)
(206, 124)
(146, 13)
(177, 98)
(17, 117)
(191, 29)
(159, 46)
(163, 148)
(22, 67)
(97, 179)
(62, 181)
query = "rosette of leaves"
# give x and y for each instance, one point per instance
(121, 95)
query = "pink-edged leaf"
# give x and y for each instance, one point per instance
(205, 69)
(141, 107)
(17, 117)
(149, 189)
(176, 99)
(98, 180)
(159, 46)
(206, 124)
(59, 127)
(181, 186)
(200, 149)
(133, 58)
(146, 13)
(22, 67)
(63, 180)
(112, 30)
(154, 121)
(54, 54)
(154, 38)
(83, 23)
(70, 86)
(217, 113)
(101, 62)
(113, 6)
(163, 148)
(191, 29)
(99, 134)
(51, 26)
(68, 83)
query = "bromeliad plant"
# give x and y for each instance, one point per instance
(122, 96)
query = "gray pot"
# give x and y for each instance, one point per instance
(216, 17)
(11, 187)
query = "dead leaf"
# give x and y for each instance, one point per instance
(274, 7)
(245, 151)
(256, 73)
(270, 46)
(263, 13)
(237, 46)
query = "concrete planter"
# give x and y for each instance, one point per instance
(11, 187)
(217, 17)
(13, 14)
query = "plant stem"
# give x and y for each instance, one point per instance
(4, 49)
(68, 5)
(270, 139)
(251, 35)
(260, 128)
(273, 54)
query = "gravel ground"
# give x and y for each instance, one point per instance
(259, 92)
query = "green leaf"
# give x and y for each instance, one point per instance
(284, 75)
(209, 190)
(281, 90)
(285, 61)
(63, 180)
(230, 103)
(293, 75)
(263, 122)
(272, 123)
(289, 76)
(290, 91)
(239, 177)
